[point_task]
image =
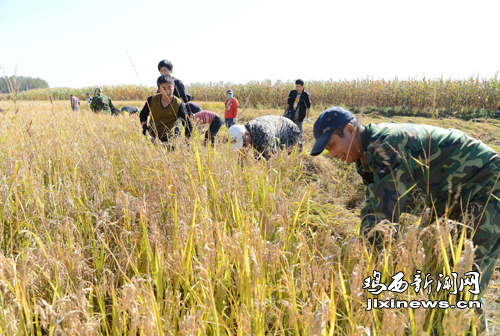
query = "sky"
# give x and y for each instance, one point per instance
(86, 43)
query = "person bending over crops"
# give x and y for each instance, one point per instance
(209, 118)
(89, 99)
(101, 102)
(231, 111)
(164, 110)
(265, 134)
(130, 109)
(192, 108)
(166, 67)
(401, 162)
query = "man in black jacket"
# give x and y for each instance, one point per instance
(298, 106)
(166, 67)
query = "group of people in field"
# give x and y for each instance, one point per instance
(399, 163)
(172, 107)
(101, 103)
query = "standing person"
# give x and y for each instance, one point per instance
(75, 103)
(231, 112)
(401, 162)
(101, 102)
(209, 118)
(265, 134)
(164, 110)
(298, 106)
(89, 99)
(166, 67)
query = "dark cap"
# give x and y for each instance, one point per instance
(229, 91)
(328, 121)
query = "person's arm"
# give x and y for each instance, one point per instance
(289, 135)
(92, 104)
(181, 91)
(307, 101)
(186, 121)
(111, 105)
(262, 141)
(143, 116)
(391, 187)
(272, 148)
(235, 106)
(286, 109)
(366, 176)
(263, 147)
(289, 102)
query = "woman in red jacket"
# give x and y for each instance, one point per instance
(231, 111)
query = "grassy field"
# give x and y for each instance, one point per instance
(103, 233)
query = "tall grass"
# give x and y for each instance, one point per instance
(103, 233)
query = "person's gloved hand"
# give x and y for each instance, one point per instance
(145, 129)
(308, 120)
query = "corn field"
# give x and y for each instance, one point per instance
(414, 94)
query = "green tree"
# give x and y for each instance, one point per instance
(21, 83)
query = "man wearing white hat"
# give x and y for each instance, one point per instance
(265, 134)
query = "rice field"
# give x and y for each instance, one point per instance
(103, 233)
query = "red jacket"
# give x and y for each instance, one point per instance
(231, 108)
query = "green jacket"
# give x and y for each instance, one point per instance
(101, 102)
(405, 163)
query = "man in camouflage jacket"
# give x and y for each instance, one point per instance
(455, 173)
(265, 134)
(101, 102)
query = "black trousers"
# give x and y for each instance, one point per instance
(213, 129)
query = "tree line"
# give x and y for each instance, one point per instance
(21, 83)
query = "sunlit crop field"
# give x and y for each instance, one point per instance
(464, 98)
(103, 233)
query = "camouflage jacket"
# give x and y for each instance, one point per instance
(407, 163)
(270, 132)
(101, 102)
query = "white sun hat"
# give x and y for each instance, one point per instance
(236, 133)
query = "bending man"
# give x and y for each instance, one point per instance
(265, 134)
(400, 162)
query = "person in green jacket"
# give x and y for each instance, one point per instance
(101, 102)
(401, 163)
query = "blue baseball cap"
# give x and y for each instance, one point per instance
(325, 124)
